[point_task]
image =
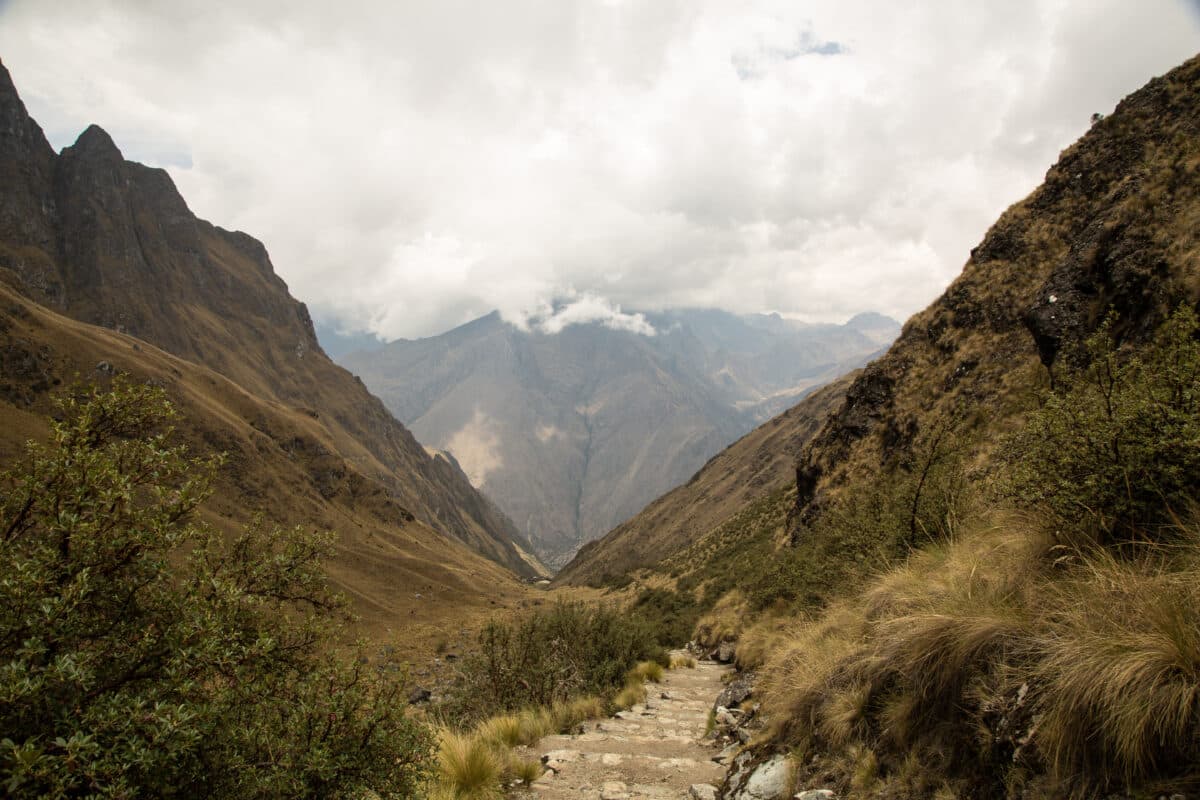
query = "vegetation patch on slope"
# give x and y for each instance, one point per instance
(1053, 649)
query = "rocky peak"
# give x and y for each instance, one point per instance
(95, 142)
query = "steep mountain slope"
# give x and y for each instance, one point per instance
(282, 461)
(112, 243)
(992, 581)
(759, 464)
(571, 433)
(1114, 227)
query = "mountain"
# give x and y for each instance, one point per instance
(758, 465)
(572, 433)
(921, 618)
(111, 244)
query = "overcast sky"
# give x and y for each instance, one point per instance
(412, 165)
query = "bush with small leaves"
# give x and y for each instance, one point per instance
(141, 654)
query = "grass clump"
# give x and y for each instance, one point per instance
(469, 768)
(651, 671)
(526, 770)
(679, 661)
(631, 695)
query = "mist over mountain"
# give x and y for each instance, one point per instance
(573, 432)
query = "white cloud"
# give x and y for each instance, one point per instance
(411, 165)
(578, 309)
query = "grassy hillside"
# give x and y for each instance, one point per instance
(981, 583)
(755, 467)
(398, 572)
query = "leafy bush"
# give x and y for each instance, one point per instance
(918, 501)
(671, 614)
(548, 656)
(140, 655)
(1114, 454)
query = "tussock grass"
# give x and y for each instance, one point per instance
(568, 715)
(1120, 668)
(1000, 658)
(526, 770)
(469, 768)
(648, 671)
(682, 662)
(630, 696)
(724, 622)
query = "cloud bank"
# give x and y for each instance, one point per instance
(412, 165)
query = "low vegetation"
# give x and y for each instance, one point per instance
(142, 654)
(548, 657)
(1039, 640)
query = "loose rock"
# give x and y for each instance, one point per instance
(613, 790)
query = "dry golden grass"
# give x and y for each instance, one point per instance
(724, 622)
(682, 662)
(650, 671)
(630, 696)
(904, 683)
(569, 714)
(526, 770)
(469, 768)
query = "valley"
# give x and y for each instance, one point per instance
(592, 552)
(573, 432)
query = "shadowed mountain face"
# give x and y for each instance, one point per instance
(111, 243)
(574, 432)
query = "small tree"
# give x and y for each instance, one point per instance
(142, 655)
(1115, 452)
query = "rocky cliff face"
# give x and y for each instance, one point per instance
(112, 243)
(574, 432)
(1112, 230)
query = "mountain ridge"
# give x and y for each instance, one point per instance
(573, 432)
(112, 243)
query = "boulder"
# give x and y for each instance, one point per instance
(702, 791)
(614, 790)
(770, 780)
(737, 691)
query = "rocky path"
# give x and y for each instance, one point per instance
(653, 750)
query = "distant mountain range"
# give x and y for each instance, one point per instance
(571, 433)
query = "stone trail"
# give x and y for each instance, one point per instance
(655, 750)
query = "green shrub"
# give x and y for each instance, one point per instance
(548, 656)
(140, 655)
(1114, 453)
(671, 614)
(918, 500)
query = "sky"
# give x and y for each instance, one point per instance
(413, 165)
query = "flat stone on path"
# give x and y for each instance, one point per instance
(654, 751)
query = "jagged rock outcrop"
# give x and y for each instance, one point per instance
(112, 243)
(1113, 229)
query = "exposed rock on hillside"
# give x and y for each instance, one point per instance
(1115, 226)
(112, 243)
